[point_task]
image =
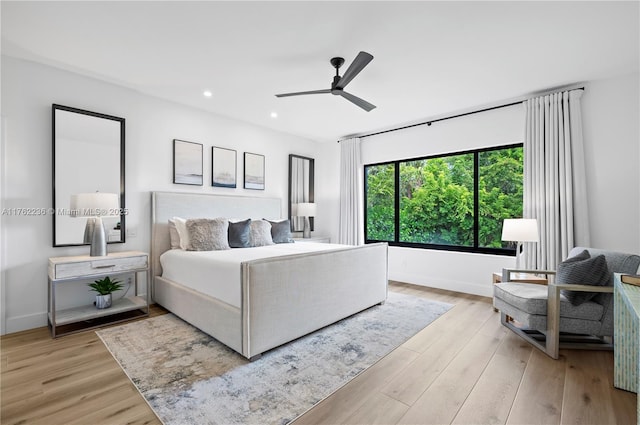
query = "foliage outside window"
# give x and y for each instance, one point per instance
(455, 201)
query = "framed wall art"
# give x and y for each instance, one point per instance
(187, 162)
(223, 167)
(253, 171)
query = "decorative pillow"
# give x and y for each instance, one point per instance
(208, 234)
(260, 234)
(582, 270)
(173, 235)
(239, 234)
(281, 231)
(181, 228)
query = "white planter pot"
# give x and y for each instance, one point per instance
(103, 301)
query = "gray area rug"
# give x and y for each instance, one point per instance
(188, 377)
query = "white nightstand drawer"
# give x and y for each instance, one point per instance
(100, 265)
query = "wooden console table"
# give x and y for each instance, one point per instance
(626, 336)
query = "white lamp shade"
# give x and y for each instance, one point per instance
(96, 204)
(520, 230)
(306, 209)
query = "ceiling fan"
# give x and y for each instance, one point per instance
(339, 83)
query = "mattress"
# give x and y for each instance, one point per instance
(218, 273)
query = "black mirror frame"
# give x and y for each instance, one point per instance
(56, 107)
(311, 184)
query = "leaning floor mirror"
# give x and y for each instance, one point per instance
(301, 175)
(88, 157)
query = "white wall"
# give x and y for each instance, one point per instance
(29, 89)
(612, 150)
(611, 121)
(327, 194)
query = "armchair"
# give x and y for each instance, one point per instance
(546, 318)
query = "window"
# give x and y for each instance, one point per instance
(456, 201)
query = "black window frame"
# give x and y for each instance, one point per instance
(458, 248)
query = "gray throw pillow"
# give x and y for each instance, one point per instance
(260, 233)
(240, 233)
(281, 231)
(208, 234)
(582, 270)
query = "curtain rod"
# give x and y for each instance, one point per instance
(516, 102)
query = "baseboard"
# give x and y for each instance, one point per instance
(26, 322)
(484, 289)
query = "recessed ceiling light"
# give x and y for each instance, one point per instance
(274, 115)
(207, 93)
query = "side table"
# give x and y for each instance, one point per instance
(63, 270)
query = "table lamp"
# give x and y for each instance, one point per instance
(95, 206)
(520, 230)
(306, 210)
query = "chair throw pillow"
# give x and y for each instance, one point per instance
(208, 234)
(582, 269)
(239, 234)
(281, 231)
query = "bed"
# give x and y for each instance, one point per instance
(278, 298)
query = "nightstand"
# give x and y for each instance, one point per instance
(318, 239)
(63, 270)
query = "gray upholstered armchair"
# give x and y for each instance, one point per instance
(568, 314)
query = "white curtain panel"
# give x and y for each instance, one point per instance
(350, 226)
(555, 190)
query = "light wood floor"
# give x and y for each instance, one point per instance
(464, 368)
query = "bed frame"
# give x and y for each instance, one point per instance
(283, 298)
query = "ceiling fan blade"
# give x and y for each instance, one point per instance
(354, 69)
(304, 92)
(356, 100)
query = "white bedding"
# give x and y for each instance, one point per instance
(217, 273)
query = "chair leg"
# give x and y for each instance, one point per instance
(553, 321)
(540, 344)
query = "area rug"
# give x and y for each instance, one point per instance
(188, 377)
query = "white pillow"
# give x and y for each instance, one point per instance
(260, 233)
(173, 235)
(181, 227)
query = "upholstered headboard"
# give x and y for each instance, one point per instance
(166, 205)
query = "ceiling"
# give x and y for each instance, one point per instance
(430, 58)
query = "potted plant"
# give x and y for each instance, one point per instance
(104, 287)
